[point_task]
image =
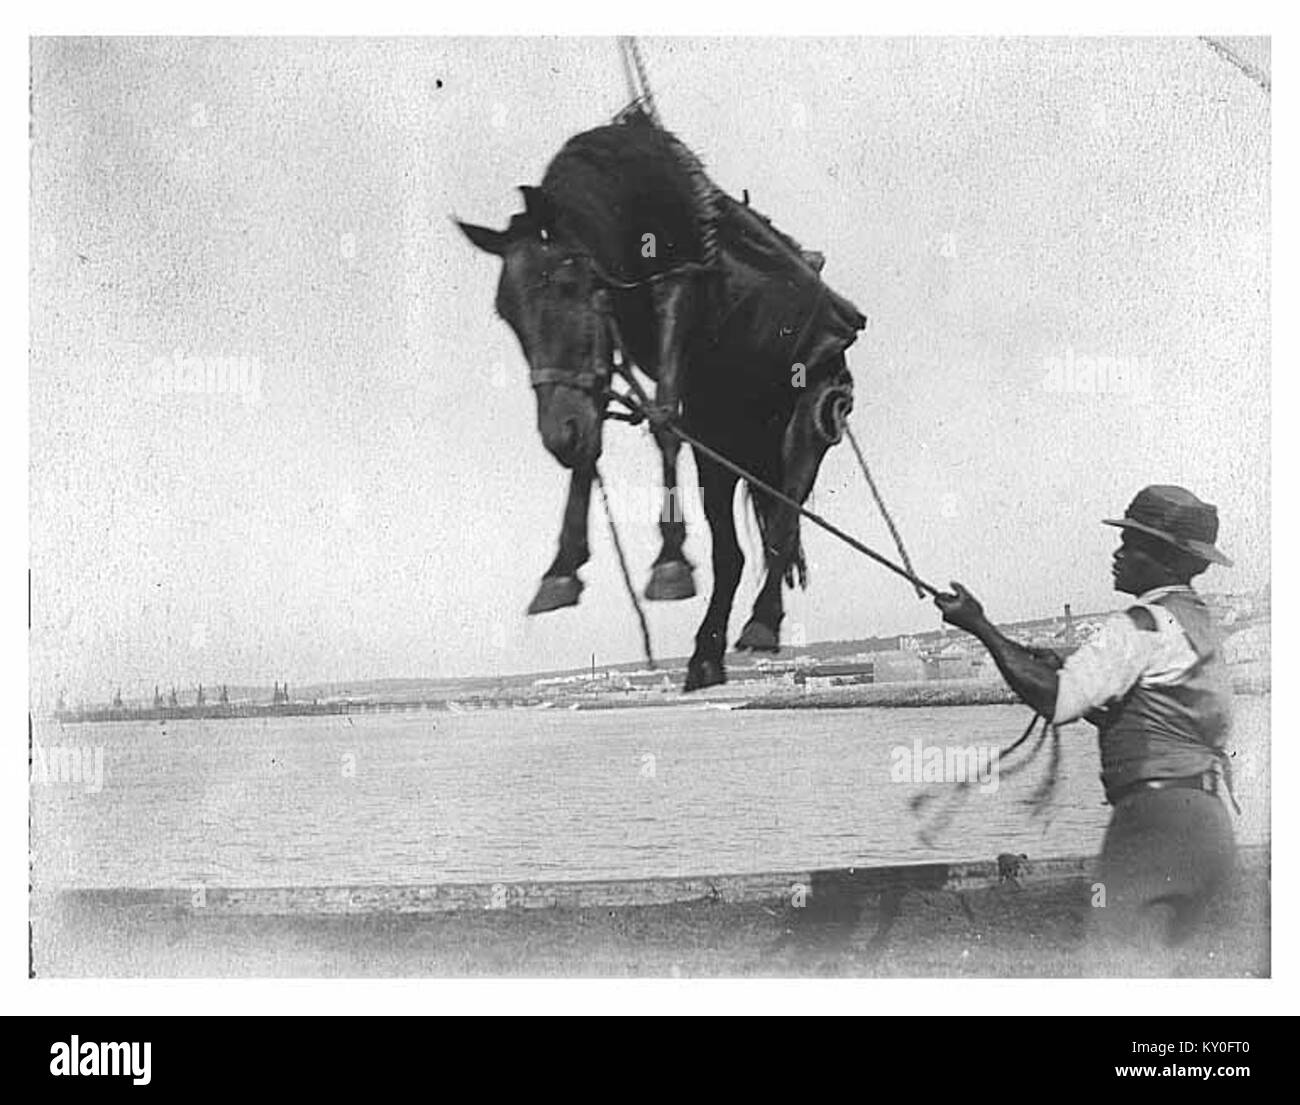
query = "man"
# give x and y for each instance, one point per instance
(1154, 683)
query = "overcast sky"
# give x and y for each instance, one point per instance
(376, 500)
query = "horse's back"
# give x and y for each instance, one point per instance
(776, 308)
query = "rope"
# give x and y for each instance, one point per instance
(1038, 800)
(862, 461)
(630, 47)
(633, 93)
(672, 424)
(880, 503)
(911, 577)
(1233, 58)
(627, 577)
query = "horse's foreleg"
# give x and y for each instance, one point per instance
(675, 302)
(560, 585)
(816, 425)
(671, 575)
(706, 664)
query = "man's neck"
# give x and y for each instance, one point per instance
(1163, 589)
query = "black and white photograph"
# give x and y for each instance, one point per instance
(656, 506)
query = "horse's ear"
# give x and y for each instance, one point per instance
(491, 241)
(538, 206)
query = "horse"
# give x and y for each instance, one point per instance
(627, 255)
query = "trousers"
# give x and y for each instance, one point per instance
(1166, 856)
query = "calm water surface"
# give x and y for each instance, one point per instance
(551, 794)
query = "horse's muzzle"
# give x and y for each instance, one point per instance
(570, 431)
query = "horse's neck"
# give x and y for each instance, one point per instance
(639, 329)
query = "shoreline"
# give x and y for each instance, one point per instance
(1246, 680)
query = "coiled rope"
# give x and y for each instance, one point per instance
(1038, 801)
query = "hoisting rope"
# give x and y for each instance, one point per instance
(637, 82)
(629, 73)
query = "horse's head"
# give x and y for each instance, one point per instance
(551, 296)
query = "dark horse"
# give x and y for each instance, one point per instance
(628, 255)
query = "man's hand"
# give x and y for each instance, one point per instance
(1033, 678)
(961, 609)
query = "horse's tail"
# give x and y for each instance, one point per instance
(796, 572)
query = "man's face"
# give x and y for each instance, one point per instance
(1135, 566)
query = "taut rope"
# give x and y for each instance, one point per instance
(880, 503)
(640, 87)
(639, 402)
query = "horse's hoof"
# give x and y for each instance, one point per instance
(670, 581)
(757, 637)
(704, 673)
(555, 593)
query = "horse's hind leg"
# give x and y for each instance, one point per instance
(718, 487)
(560, 584)
(816, 424)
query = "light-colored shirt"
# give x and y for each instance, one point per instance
(1106, 668)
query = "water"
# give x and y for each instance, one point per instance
(552, 794)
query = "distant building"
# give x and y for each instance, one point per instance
(954, 661)
(890, 666)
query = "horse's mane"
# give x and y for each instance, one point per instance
(615, 184)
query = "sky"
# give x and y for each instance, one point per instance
(278, 432)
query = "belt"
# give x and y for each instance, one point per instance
(1206, 782)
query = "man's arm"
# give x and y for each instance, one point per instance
(1031, 673)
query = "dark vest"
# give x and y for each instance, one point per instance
(1169, 732)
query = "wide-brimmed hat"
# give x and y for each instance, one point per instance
(1177, 517)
